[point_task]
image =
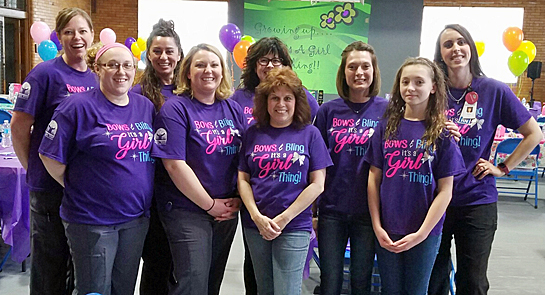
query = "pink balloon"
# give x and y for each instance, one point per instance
(107, 36)
(40, 32)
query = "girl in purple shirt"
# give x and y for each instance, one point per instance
(281, 172)
(413, 161)
(477, 104)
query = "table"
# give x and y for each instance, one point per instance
(14, 205)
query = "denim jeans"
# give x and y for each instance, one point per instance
(250, 285)
(51, 270)
(106, 257)
(278, 264)
(200, 247)
(408, 272)
(333, 233)
(157, 265)
(473, 228)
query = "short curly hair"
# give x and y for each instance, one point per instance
(279, 77)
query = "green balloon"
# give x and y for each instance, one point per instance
(248, 38)
(518, 62)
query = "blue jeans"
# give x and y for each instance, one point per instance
(333, 233)
(408, 272)
(278, 264)
(51, 270)
(200, 247)
(473, 228)
(106, 257)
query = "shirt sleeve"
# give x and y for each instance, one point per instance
(59, 138)
(313, 105)
(513, 113)
(170, 137)
(242, 158)
(33, 93)
(449, 160)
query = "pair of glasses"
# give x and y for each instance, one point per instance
(127, 66)
(265, 61)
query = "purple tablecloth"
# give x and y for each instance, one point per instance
(14, 205)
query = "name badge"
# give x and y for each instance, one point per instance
(469, 111)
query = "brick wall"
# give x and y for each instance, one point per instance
(118, 15)
(534, 30)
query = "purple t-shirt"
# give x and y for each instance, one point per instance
(166, 90)
(106, 150)
(208, 138)
(45, 87)
(497, 105)
(346, 128)
(410, 174)
(279, 161)
(245, 98)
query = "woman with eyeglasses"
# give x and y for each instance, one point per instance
(97, 146)
(263, 56)
(158, 83)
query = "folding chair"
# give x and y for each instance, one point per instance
(506, 148)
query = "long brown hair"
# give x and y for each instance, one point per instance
(149, 80)
(435, 110)
(279, 77)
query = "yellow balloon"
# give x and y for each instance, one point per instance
(529, 48)
(135, 50)
(480, 47)
(141, 43)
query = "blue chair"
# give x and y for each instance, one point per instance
(4, 115)
(4, 100)
(518, 174)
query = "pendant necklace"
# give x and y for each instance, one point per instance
(457, 101)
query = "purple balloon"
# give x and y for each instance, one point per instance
(55, 40)
(229, 36)
(129, 41)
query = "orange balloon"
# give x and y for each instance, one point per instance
(240, 51)
(512, 38)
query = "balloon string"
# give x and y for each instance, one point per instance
(232, 70)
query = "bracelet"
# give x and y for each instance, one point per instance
(213, 203)
(503, 168)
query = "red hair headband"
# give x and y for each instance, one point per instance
(110, 46)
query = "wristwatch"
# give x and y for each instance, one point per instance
(503, 168)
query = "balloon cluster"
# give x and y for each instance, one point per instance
(138, 49)
(234, 42)
(524, 51)
(48, 43)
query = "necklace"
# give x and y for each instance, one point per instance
(457, 101)
(352, 106)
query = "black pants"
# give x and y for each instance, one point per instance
(473, 228)
(51, 270)
(157, 267)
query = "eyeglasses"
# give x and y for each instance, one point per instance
(265, 61)
(112, 65)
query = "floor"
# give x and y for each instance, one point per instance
(517, 263)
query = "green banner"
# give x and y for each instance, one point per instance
(315, 34)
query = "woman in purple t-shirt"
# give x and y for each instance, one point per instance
(198, 138)
(97, 146)
(413, 162)
(281, 172)
(346, 124)
(266, 54)
(157, 83)
(478, 105)
(44, 88)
